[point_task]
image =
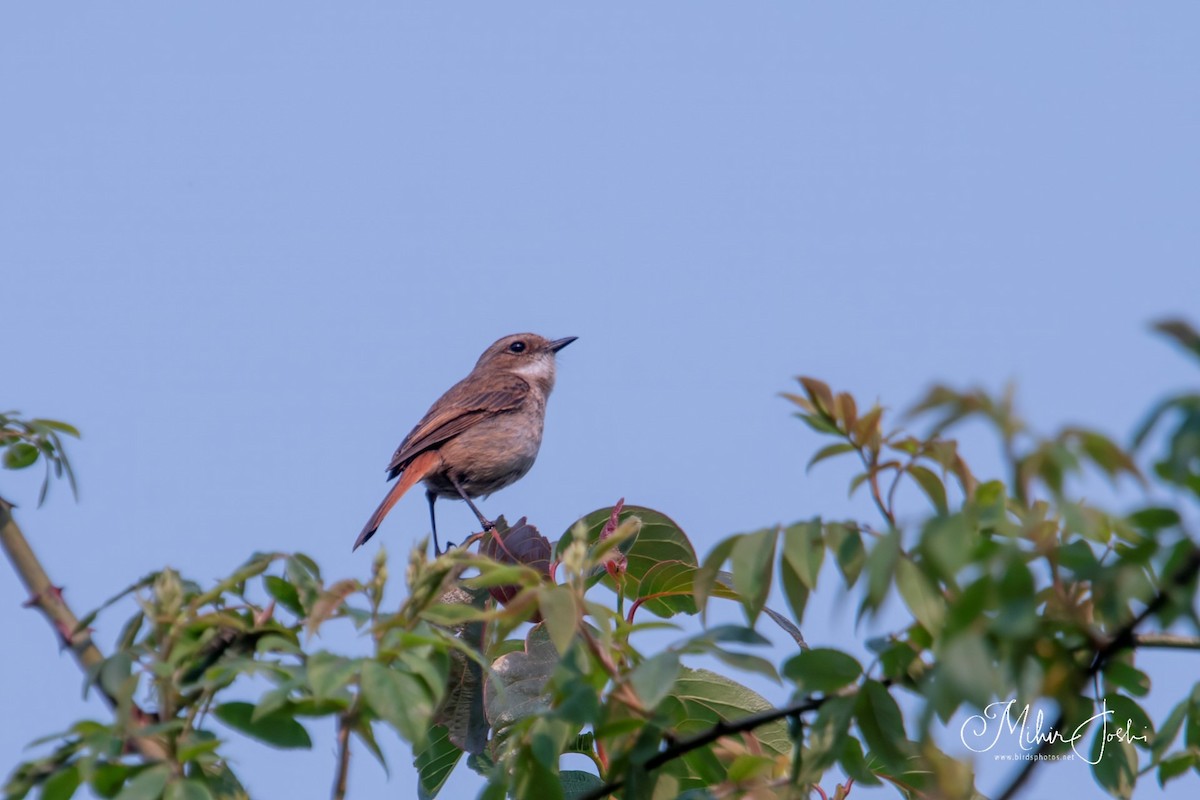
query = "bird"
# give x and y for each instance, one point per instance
(480, 436)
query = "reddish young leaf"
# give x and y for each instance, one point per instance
(521, 544)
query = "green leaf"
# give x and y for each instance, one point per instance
(1129, 717)
(794, 590)
(223, 783)
(278, 729)
(364, 729)
(819, 424)
(57, 425)
(189, 789)
(660, 539)
(821, 670)
(1168, 731)
(147, 784)
(654, 678)
(20, 455)
(857, 481)
(304, 577)
(919, 594)
(826, 736)
(700, 699)
(434, 762)
(747, 767)
(1114, 765)
(399, 698)
(329, 674)
(1104, 453)
(561, 617)
(535, 771)
(880, 568)
(1155, 518)
(855, 763)
(931, 484)
(1191, 730)
(668, 589)
(845, 543)
(577, 783)
(1127, 677)
(739, 634)
(947, 542)
(804, 550)
(1018, 616)
(967, 666)
(197, 743)
(271, 702)
(273, 643)
(107, 779)
(284, 593)
(753, 555)
(1079, 558)
(882, 725)
(1176, 765)
(116, 670)
(829, 451)
(706, 578)
(747, 663)
(494, 790)
(1181, 332)
(62, 784)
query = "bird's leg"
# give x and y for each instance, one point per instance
(487, 526)
(432, 498)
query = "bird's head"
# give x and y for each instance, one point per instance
(526, 354)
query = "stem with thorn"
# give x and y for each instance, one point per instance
(48, 599)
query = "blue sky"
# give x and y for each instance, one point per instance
(243, 248)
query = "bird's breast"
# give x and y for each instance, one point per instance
(490, 455)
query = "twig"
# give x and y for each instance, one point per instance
(47, 598)
(871, 465)
(1166, 641)
(1124, 639)
(343, 764)
(718, 731)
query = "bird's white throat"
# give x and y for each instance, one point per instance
(540, 369)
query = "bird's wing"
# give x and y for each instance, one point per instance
(467, 403)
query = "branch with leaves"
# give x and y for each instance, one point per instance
(24, 443)
(514, 650)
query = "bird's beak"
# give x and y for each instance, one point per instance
(559, 344)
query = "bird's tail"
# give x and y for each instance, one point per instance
(417, 469)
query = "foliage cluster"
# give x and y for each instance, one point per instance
(513, 652)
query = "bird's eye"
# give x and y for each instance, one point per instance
(517, 347)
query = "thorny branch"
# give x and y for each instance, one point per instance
(48, 599)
